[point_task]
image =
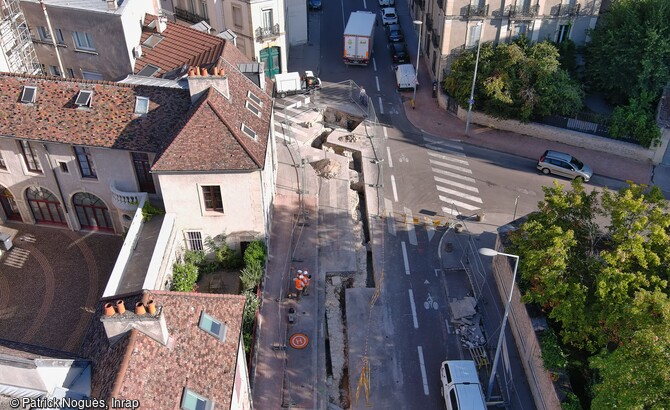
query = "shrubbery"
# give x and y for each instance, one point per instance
(184, 277)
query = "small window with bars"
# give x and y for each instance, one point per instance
(194, 241)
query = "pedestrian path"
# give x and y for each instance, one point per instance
(454, 182)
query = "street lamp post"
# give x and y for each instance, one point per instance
(491, 252)
(471, 101)
(418, 54)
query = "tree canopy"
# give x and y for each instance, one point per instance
(521, 80)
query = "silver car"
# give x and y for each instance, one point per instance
(560, 163)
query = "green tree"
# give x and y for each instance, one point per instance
(251, 275)
(184, 277)
(636, 120)
(255, 252)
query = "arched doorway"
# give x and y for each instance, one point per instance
(9, 205)
(45, 206)
(92, 213)
(270, 56)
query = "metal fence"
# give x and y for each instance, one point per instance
(587, 123)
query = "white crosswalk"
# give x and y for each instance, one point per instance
(457, 190)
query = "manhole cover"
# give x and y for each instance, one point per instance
(298, 341)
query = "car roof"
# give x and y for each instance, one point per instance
(462, 371)
(470, 396)
(399, 46)
(387, 10)
(392, 27)
(558, 155)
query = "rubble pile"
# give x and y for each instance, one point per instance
(467, 322)
(326, 168)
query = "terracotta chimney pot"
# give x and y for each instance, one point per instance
(152, 307)
(191, 72)
(216, 70)
(139, 308)
(197, 71)
(109, 309)
(205, 73)
(120, 307)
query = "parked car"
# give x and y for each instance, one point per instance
(389, 16)
(460, 385)
(386, 3)
(315, 4)
(560, 163)
(399, 53)
(394, 33)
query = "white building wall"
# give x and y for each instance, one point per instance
(133, 13)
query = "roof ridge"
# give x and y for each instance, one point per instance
(76, 80)
(234, 132)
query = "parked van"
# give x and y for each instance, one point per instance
(405, 77)
(460, 385)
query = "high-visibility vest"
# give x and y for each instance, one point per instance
(299, 285)
(305, 280)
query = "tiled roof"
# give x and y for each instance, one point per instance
(31, 352)
(110, 122)
(183, 46)
(140, 368)
(212, 139)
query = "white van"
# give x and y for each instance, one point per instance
(460, 385)
(405, 77)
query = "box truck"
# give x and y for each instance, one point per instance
(294, 83)
(405, 77)
(359, 38)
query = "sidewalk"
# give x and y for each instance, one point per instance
(431, 119)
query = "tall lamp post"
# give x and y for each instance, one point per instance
(418, 54)
(471, 101)
(491, 252)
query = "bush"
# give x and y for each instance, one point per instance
(196, 258)
(148, 211)
(249, 319)
(552, 354)
(255, 252)
(636, 120)
(251, 275)
(184, 277)
(225, 257)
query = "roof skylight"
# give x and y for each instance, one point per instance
(251, 133)
(28, 94)
(84, 98)
(141, 105)
(153, 40)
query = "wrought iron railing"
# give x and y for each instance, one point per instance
(188, 16)
(567, 10)
(429, 22)
(436, 39)
(523, 11)
(264, 33)
(481, 11)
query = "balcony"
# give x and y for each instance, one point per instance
(188, 16)
(564, 10)
(267, 33)
(436, 39)
(429, 22)
(522, 12)
(477, 11)
(126, 201)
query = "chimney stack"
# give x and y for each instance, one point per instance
(161, 24)
(152, 324)
(112, 5)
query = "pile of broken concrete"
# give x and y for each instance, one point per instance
(467, 322)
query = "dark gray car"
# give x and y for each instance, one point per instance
(560, 163)
(394, 33)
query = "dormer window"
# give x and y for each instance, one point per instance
(153, 40)
(141, 105)
(193, 401)
(28, 94)
(213, 326)
(253, 97)
(251, 133)
(253, 109)
(84, 98)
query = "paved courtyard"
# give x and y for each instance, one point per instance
(50, 282)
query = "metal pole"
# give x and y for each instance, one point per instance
(418, 55)
(516, 202)
(502, 326)
(471, 101)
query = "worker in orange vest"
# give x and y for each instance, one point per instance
(305, 281)
(299, 287)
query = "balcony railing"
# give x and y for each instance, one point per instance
(126, 201)
(264, 33)
(436, 39)
(188, 16)
(523, 11)
(480, 11)
(564, 10)
(429, 22)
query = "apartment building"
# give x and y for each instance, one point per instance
(449, 27)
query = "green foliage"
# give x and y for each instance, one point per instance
(148, 211)
(571, 402)
(226, 258)
(568, 56)
(636, 120)
(251, 275)
(522, 80)
(255, 252)
(184, 277)
(249, 319)
(196, 258)
(552, 354)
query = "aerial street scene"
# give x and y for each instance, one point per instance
(328, 204)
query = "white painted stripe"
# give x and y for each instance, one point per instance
(448, 158)
(449, 211)
(409, 224)
(395, 192)
(455, 167)
(381, 106)
(377, 80)
(460, 194)
(404, 257)
(423, 371)
(445, 150)
(446, 322)
(437, 272)
(444, 143)
(390, 220)
(374, 64)
(456, 184)
(388, 152)
(458, 203)
(385, 133)
(411, 303)
(451, 174)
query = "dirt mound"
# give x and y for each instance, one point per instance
(326, 168)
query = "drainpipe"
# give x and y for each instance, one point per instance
(53, 170)
(53, 38)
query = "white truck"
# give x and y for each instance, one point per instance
(294, 83)
(405, 77)
(359, 37)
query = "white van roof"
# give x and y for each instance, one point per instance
(465, 379)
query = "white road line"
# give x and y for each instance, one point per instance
(388, 151)
(447, 158)
(430, 228)
(456, 184)
(395, 192)
(449, 211)
(374, 64)
(444, 149)
(381, 106)
(404, 257)
(390, 220)
(458, 203)
(460, 194)
(453, 175)
(446, 322)
(385, 134)
(423, 371)
(411, 303)
(409, 224)
(451, 144)
(377, 80)
(437, 271)
(454, 167)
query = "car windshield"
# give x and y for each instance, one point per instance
(577, 163)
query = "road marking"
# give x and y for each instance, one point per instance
(390, 220)
(437, 271)
(377, 80)
(404, 257)
(411, 303)
(385, 133)
(456, 184)
(446, 322)
(462, 195)
(409, 223)
(423, 371)
(395, 192)
(458, 203)
(444, 149)
(388, 151)
(374, 64)
(451, 174)
(448, 158)
(430, 228)
(455, 167)
(450, 144)
(449, 211)
(381, 106)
